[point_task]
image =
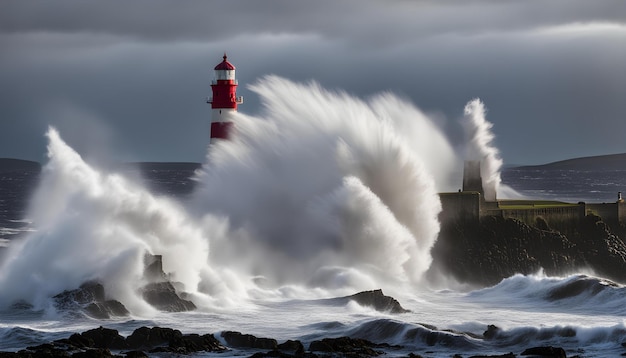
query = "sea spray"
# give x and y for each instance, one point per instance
(479, 147)
(96, 226)
(328, 188)
(321, 190)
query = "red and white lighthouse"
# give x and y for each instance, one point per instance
(224, 100)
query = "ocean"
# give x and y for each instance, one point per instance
(442, 322)
(268, 234)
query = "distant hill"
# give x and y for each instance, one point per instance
(9, 164)
(595, 163)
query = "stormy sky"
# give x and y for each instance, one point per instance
(128, 79)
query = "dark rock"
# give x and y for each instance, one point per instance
(190, 343)
(292, 346)
(106, 309)
(90, 298)
(346, 345)
(377, 300)
(105, 338)
(542, 224)
(163, 296)
(44, 350)
(280, 354)
(238, 340)
(506, 355)
(491, 332)
(135, 354)
(93, 353)
(149, 338)
(87, 292)
(549, 351)
(77, 341)
(486, 252)
(495, 248)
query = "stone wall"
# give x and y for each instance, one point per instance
(561, 218)
(461, 207)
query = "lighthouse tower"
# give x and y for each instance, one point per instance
(224, 100)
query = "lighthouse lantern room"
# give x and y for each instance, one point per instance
(224, 100)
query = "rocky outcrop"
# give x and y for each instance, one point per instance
(160, 292)
(163, 296)
(485, 253)
(347, 346)
(145, 338)
(101, 341)
(102, 338)
(90, 299)
(378, 301)
(239, 340)
(190, 343)
(555, 352)
(158, 341)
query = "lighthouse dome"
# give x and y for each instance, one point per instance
(225, 65)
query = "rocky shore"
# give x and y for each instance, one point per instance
(168, 342)
(158, 341)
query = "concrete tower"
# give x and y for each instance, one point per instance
(224, 100)
(472, 180)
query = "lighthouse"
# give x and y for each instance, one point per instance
(224, 100)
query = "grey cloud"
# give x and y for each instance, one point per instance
(363, 20)
(139, 70)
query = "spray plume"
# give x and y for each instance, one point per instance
(330, 187)
(94, 226)
(322, 190)
(480, 147)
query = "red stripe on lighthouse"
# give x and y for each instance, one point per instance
(221, 130)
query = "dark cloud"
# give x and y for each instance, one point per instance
(129, 78)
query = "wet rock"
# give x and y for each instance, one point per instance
(149, 338)
(163, 296)
(485, 252)
(346, 345)
(106, 309)
(556, 352)
(491, 332)
(44, 350)
(280, 354)
(87, 292)
(136, 354)
(105, 338)
(76, 341)
(93, 353)
(191, 343)
(90, 298)
(238, 340)
(506, 355)
(292, 346)
(377, 300)
(168, 340)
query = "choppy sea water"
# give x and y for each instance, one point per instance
(588, 322)
(567, 185)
